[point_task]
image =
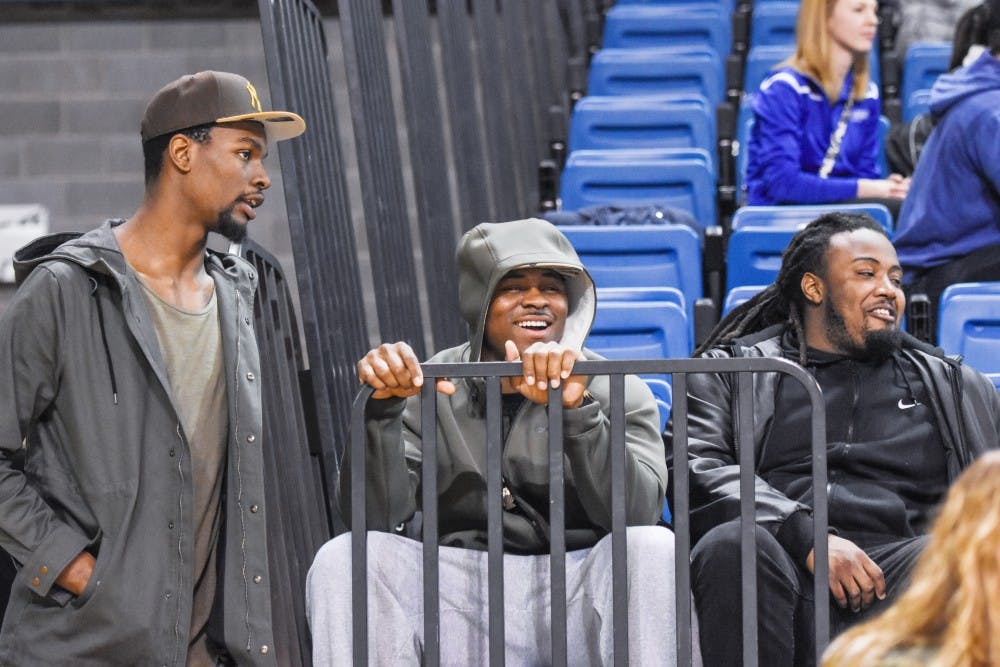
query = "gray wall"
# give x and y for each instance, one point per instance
(73, 94)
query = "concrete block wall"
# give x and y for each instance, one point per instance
(71, 98)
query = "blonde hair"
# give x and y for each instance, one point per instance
(812, 50)
(950, 605)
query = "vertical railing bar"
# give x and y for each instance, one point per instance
(359, 530)
(557, 527)
(682, 520)
(432, 620)
(821, 563)
(619, 545)
(748, 523)
(494, 519)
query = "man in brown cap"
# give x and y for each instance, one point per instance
(129, 381)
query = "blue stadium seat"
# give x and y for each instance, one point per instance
(647, 295)
(753, 255)
(739, 295)
(653, 256)
(657, 71)
(668, 294)
(796, 216)
(923, 63)
(969, 325)
(744, 125)
(678, 25)
(640, 330)
(883, 129)
(760, 61)
(917, 103)
(728, 5)
(773, 24)
(624, 121)
(680, 178)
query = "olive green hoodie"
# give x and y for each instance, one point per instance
(485, 254)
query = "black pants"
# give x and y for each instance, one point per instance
(978, 266)
(785, 614)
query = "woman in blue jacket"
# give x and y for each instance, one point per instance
(815, 135)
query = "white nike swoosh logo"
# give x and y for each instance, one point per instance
(907, 406)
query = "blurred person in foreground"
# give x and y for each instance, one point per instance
(947, 616)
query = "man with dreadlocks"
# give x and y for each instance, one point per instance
(902, 422)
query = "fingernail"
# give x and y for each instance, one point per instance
(564, 374)
(881, 596)
(555, 383)
(418, 381)
(541, 384)
(530, 379)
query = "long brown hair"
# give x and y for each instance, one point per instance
(950, 604)
(812, 50)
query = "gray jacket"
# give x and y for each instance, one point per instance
(393, 427)
(107, 467)
(966, 407)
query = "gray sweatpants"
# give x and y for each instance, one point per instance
(395, 599)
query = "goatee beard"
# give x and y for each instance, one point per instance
(227, 226)
(878, 345)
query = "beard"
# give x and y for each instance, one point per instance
(227, 226)
(877, 345)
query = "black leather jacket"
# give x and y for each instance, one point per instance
(964, 402)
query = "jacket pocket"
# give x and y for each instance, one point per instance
(93, 584)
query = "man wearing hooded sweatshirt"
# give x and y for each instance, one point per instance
(525, 296)
(130, 386)
(949, 227)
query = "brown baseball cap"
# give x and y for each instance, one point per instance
(213, 97)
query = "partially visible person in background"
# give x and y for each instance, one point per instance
(815, 137)
(927, 21)
(905, 141)
(948, 230)
(947, 615)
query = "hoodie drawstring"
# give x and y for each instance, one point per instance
(104, 339)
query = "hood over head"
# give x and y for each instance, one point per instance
(491, 250)
(951, 88)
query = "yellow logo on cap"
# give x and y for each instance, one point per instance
(254, 100)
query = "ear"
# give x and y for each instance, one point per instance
(179, 152)
(813, 288)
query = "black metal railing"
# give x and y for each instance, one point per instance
(492, 372)
(298, 522)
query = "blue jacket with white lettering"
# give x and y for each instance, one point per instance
(793, 123)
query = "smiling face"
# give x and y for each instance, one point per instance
(852, 25)
(230, 176)
(528, 306)
(860, 297)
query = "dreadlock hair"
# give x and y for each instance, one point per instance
(782, 302)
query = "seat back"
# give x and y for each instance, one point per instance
(679, 178)
(760, 61)
(654, 256)
(640, 330)
(923, 63)
(657, 71)
(601, 122)
(798, 215)
(969, 324)
(773, 24)
(753, 255)
(677, 25)
(918, 102)
(739, 295)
